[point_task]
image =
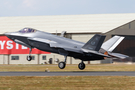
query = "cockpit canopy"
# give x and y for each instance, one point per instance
(27, 30)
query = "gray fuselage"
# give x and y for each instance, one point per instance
(63, 45)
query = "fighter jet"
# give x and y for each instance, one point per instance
(94, 49)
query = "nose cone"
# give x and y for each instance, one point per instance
(8, 35)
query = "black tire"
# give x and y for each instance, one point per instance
(62, 65)
(81, 66)
(29, 58)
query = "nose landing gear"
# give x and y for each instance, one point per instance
(29, 58)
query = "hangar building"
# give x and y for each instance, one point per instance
(77, 27)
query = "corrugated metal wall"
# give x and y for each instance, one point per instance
(127, 46)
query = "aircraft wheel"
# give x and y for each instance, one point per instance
(29, 58)
(81, 66)
(61, 65)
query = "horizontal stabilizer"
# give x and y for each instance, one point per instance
(94, 52)
(118, 55)
(112, 43)
(94, 43)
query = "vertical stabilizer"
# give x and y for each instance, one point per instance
(94, 43)
(112, 43)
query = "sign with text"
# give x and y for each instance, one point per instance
(8, 46)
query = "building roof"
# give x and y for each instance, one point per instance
(71, 23)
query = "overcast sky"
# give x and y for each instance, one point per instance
(64, 7)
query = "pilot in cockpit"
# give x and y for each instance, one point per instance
(27, 30)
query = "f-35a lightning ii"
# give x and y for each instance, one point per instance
(94, 49)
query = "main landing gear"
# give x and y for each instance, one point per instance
(81, 66)
(62, 64)
(29, 58)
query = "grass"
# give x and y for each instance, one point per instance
(100, 67)
(68, 83)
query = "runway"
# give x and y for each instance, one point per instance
(78, 73)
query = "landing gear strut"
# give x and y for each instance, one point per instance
(81, 65)
(29, 58)
(62, 64)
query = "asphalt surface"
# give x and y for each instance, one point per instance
(79, 73)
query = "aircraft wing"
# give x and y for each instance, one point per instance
(47, 41)
(53, 44)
